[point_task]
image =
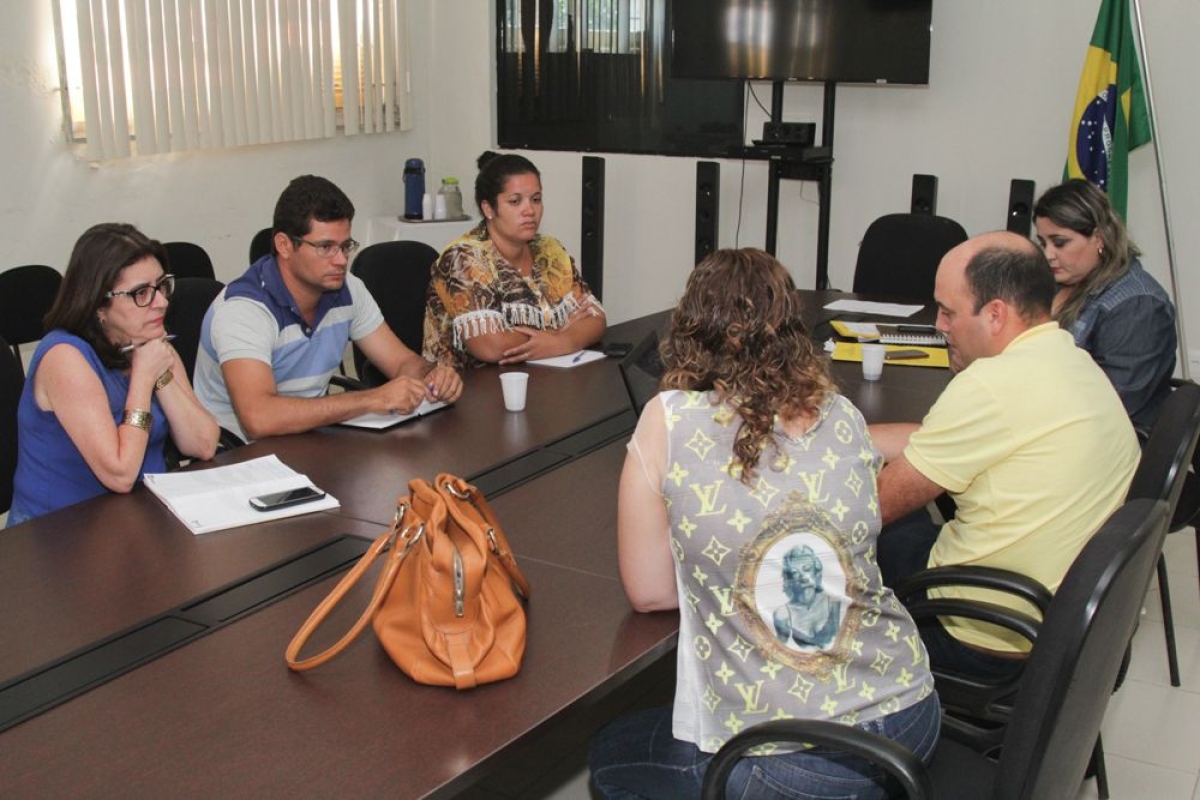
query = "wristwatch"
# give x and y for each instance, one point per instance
(163, 380)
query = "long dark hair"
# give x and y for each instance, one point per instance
(1081, 207)
(494, 171)
(93, 270)
(738, 332)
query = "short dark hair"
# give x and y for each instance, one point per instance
(309, 198)
(1019, 276)
(494, 171)
(94, 268)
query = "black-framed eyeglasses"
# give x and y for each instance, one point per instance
(329, 249)
(143, 295)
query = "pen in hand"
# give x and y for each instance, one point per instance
(129, 348)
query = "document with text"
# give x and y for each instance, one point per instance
(218, 498)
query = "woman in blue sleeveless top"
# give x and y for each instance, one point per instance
(105, 388)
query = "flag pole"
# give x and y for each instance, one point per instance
(1162, 189)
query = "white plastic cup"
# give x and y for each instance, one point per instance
(439, 206)
(872, 361)
(514, 385)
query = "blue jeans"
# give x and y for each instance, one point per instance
(636, 756)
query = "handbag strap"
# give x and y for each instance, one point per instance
(460, 494)
(386, 579)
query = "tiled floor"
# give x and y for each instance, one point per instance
(1151, 731)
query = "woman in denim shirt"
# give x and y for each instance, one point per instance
(1110, 304)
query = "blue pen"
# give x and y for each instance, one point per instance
(577, 357)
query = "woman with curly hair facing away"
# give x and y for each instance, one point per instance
(748, 502)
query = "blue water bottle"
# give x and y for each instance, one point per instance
(414, 187)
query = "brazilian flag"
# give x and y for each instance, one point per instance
(1110, 116)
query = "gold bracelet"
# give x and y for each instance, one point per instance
(138, 418)
(164, 380)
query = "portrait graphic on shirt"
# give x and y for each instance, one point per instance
(791, 588)
(809, 618)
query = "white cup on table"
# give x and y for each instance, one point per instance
(514, 386)
(872, 361)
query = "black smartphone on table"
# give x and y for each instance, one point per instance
(292, 497)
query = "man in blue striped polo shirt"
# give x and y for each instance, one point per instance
(273, 338)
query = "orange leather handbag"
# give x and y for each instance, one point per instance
(447, 607)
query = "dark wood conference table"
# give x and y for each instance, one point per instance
(220, 713)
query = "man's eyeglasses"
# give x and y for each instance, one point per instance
(329, 249)
(143, 295)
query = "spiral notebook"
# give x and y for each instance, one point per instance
(923, 335)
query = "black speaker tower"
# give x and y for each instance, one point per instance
(924, 194)
(591, 253)
(1020, 206)
(708, 206)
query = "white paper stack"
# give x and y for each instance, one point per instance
(214, 499)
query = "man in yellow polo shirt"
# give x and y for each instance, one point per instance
(1029, 439)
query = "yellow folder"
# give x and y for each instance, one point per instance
(935, 356)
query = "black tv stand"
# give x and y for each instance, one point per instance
(805, 164)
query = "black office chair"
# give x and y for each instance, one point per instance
(899, 255)
(1063, 695)
(641, 369)
(1162, 475)
(188, 260)
(261, 245)
(26, 294)
(397, 275)
(12, 380)
(185, 314)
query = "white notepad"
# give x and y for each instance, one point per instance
(381, 422)
(218, 498)
(570, 360)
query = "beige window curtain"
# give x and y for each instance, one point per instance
(158, 76)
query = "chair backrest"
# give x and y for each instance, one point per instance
(188, 260)
(1071, 672)
(26, 294)
(12, 379)
(261, 245)
(397, 275)
(1170, 449)
(185, 314)
(899, 254)
(641, 369)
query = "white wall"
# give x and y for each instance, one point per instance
(1002, 85)
(218, 199)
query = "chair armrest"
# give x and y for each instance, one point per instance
(226, 440)
(895, 759)
(978, 699)
(1001, 580)
(347, 383)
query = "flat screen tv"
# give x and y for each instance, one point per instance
(847, 41)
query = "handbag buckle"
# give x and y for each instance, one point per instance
(409, 541)
(460, 495)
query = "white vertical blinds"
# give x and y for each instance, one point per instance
(174, 75)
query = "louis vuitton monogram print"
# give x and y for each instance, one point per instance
(784, 613)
